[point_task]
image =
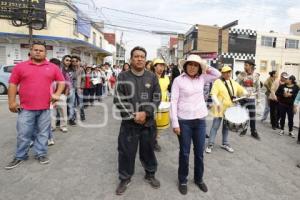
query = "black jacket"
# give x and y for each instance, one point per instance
(289, 101)
(137, 94)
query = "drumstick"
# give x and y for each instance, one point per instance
(240, 98)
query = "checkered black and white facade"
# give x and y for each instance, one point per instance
(242, 31)
(239, 56)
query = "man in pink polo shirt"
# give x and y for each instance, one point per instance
(34, 79)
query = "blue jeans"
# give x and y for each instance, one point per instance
(191, 130)
(71, 104)
(33, 124)
(267, 108)
(214, 130)
(80, 102)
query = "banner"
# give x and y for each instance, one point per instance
(10, 8)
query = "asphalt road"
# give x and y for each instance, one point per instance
(83, 165)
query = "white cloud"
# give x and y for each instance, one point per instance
(294, 14)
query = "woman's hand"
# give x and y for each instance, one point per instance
(176, 131)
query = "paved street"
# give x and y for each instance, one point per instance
(83, 165)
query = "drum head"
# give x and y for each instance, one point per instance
(237, 115)
(164, 106)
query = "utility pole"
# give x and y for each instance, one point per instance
(30, 11)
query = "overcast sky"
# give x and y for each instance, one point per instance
(262, 15)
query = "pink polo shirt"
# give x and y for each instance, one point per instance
(187, 98)
(35, 83)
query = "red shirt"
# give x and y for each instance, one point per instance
(88, 81)
(35, 83)
(112, 81)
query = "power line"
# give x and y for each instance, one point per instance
(87, 21)
(146, 16)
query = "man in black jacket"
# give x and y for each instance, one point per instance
(137, 97)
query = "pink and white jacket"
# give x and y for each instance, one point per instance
(187, 98)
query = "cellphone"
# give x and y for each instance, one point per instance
(19, 110)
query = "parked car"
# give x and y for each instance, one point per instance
(5, 72)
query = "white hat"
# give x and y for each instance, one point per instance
(194, 58)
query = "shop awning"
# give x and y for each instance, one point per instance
(82, 43)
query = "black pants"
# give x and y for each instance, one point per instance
(289, 111)
(131, 135)
(250, 105)
(98, 90)
(88, 95)
(274, 113)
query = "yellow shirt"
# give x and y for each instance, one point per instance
(164, 83)
(220, 92)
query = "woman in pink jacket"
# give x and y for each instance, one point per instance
(188, 112)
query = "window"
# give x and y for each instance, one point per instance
(274, 65)
(75, 27)
(100, 42)
(94, 38)
(263, 66)
(232, 41)
(268, 41)
(243, 36)
(291, 44)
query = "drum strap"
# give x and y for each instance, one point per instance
(227, 87)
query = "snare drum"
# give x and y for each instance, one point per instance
(236, 118)
(162, 116)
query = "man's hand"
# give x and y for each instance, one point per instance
(176, 131)
(140, 117)
(13, 107)
(295, 109)
(54, 98)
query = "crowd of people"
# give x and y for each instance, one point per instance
(71, 86)
(193, 89)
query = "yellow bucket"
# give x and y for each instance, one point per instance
(162, 116)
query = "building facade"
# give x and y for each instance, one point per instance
(68, 31)
(295, 29)
(203, 40)
(241, 47)
(280, 52)
(120, 54)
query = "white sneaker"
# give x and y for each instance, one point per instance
(209, 148)
(281, 133)
(291, 134)
(227, 148)
(64, 129)
(50, 142)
